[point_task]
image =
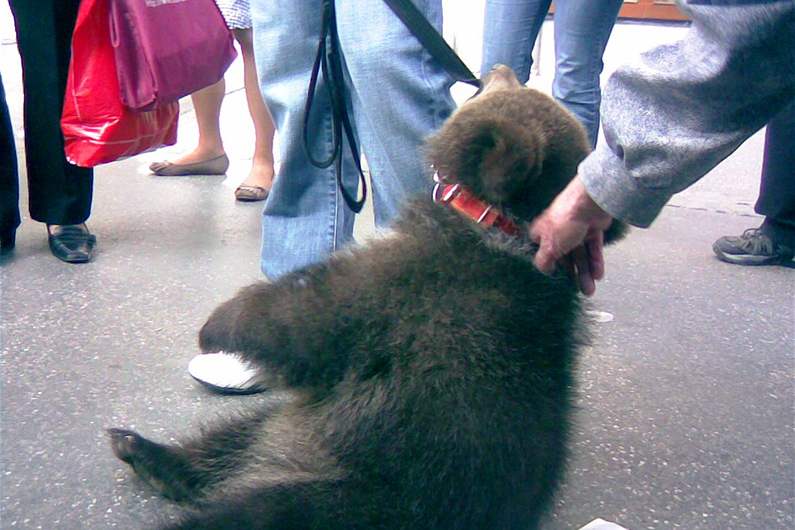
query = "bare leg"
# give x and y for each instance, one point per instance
(207, 104)
(208, 156)
(262, 164)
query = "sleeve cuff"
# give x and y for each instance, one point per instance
(618, 193)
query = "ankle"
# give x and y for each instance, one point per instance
(53, 227)
(778, 232)
(209, 149)
(200, 154)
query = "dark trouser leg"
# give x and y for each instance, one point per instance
(9, 175)
(59, 192)
(777, 191)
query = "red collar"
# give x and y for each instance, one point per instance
(463, 201)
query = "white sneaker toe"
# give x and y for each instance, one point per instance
(227, 373)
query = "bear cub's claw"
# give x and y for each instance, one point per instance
(125, 444)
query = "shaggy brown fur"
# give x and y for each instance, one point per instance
(433, 369)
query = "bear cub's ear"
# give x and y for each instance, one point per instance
(497, 159)
(510, 162)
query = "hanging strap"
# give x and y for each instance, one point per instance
(329, 61)
(432, 41)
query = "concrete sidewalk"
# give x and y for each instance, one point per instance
(685, 408)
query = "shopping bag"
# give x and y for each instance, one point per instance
(168, 49)
(97, 128)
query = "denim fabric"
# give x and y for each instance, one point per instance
(582, 28)
(398, 95)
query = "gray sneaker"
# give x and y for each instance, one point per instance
(753, 247)
(226, 373)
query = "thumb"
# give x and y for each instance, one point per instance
(546, 257)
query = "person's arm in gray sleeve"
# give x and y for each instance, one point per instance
(674, 114)
(668, 119)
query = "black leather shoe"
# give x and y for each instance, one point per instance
(71, 243)
(8, 238)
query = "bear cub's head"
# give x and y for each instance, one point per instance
(512, 146)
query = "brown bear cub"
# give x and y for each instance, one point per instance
(432, 370)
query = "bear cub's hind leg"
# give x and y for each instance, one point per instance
(162, 467)
(185, 472)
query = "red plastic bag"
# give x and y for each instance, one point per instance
(167, 50)
(97, 128)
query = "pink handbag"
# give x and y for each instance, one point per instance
(96, 127)
(167, 49)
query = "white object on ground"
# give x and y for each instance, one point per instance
(601, 524)
(227, 373)
(600, 317)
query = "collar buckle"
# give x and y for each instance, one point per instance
(462, 200)
(443, 191)
(483, 215)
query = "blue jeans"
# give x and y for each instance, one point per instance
(398, 95)
(582, 28)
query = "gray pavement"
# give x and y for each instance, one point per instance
(685, 412)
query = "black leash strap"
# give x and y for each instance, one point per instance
(329, 61)
(432, 41)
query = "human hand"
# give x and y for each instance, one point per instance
(571, 233)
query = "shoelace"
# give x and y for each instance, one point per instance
(757, 243)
